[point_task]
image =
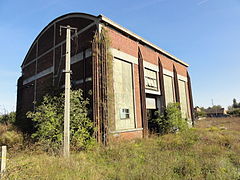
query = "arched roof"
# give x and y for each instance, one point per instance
(107, 21)
(66, 16)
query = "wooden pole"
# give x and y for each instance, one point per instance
(3, 158)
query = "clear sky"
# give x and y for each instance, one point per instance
(203, 33)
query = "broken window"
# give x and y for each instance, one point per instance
(150, 79)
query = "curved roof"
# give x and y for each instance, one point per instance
(66, 16)
(103, 19)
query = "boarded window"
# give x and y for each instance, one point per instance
(151, 103)
(150, 79)
(123, 94)
(169, 89)
(183, 99)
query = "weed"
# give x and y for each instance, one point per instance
(191, 154)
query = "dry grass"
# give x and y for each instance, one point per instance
(10, 136)
(230, 123)
(194, 154)
(206, 152)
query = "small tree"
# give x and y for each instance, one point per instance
(216, 107)
(235, 104)
(234, 110)
(170, 120)
(49, 119)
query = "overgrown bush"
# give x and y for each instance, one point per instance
(8, 118)
(170, 120)
(201, 113)
(234, 112)
(10, 136)
(49, 119)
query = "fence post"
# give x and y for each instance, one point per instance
(3, 159)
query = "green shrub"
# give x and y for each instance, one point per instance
(234, 112)
(10, 137)
(170, 120)
(179, 141)
(8, 118)
(200, 114)
(49, 118)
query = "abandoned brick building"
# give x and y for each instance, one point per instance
(129, 78)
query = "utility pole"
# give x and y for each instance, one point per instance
(66, 141)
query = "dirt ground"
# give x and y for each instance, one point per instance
(230, 123)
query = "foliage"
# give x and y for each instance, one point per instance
(8, 118)
(48, 118)
(170, 120)
(103, 42)
(215, 107)
(193, 154)
(200, 113)
(234, 112)
(214, 111)
(10, 137)
(235, 104)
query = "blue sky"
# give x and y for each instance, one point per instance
(203, 33)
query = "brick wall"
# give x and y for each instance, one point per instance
(127, 135)
(45, 62)
(44, 46)
(149, 55)
(130, 46)
(127, 45)
(122, 43)
(83, 69)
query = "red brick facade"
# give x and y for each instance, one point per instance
(43, 65)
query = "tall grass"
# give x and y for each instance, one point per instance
(10, 136)
(194, 154)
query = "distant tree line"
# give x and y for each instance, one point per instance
(210, 111)
(235, 104)
(234, 110)
(8, 117)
